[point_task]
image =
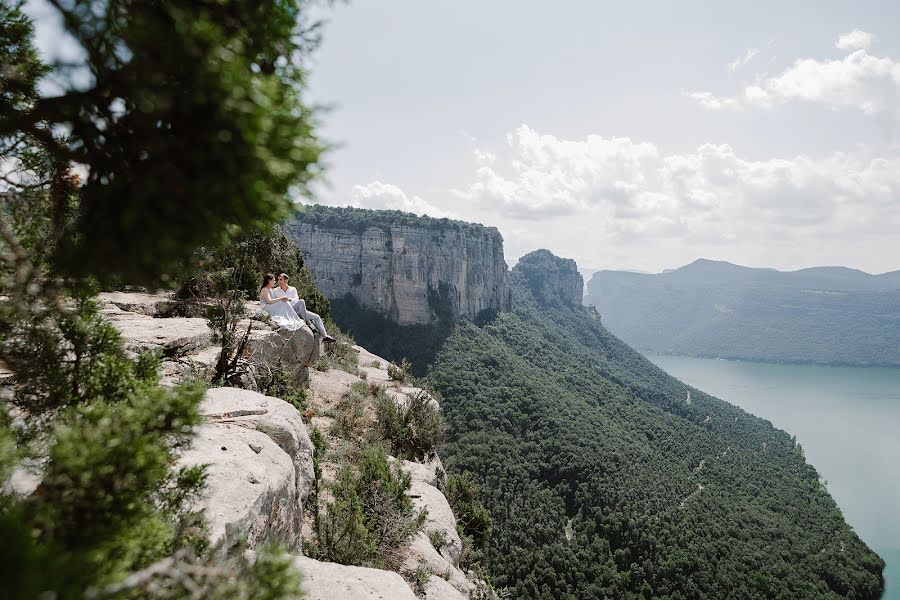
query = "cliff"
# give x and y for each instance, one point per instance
(413, 270)
(553, 280)
(263, 471)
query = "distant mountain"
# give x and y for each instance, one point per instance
(824, 315)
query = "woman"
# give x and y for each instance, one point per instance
(280, 309)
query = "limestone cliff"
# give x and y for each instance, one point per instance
(259, 457)
(413, 270)
(553, 280)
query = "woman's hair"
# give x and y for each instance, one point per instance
(267, 278)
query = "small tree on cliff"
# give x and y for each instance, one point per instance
(190, 129)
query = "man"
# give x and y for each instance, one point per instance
(298, 304)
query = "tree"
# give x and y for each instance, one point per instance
(190, 131)
(191, 128)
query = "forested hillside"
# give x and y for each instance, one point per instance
(826, 315)
(607, 478)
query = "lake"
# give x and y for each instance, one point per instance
(848, 421)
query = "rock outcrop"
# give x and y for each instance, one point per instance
(331, 581)
(187, 345)
(553, 280)
(414, 270)
(259, 457)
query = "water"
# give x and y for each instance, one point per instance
(848, 421)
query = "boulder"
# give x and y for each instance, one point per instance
(423, 554)
(251, 490)
(271, 416)
(332, 581)
(440, 515)
(267, 348)
(259, 468)
(438, 588)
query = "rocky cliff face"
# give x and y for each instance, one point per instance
(414, 270)
(259, 457)
(553, 280)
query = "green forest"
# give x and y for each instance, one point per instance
(828, 315)
(605, 477)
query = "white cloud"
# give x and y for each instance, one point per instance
(855, 40)
(378, 195)
(713, 102)
(743, 61)
(857, 81)
(630, 190)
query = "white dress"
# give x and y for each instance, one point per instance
(282, 313)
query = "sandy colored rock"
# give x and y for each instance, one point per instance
(411, 274)
(140, 303)
(331, 581)
(250, 490)
(174, 337)
(271, 416)
(422, 554)
(329, 386)
(439, 589)
(440, 515)
(294, 351)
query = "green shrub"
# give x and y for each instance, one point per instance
(472, 518)
(437, 538)
(420, 580)
(414, 430)
(350, 421)
(399, 372)
(371, 517)
(341, 352)
(278, 382)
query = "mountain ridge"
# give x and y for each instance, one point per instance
(817, 315)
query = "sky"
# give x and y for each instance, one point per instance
(639, 135)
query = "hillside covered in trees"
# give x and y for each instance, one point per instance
(608, 478)
(825, 315)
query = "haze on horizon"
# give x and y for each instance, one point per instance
(624, 136)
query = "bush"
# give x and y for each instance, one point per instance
(399, 372)
(415, 430)
(341, 353)
(371, 517)
(472, 518)
(350, 420)
(278, 383)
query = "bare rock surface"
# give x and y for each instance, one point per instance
(332, 581)
(440, 515)
(411, 273)
(251, 487)
(173, 336)
(438, 588)
(271, 416)
(151, 305)
(422, 554)
(293, 351)
(554, 281)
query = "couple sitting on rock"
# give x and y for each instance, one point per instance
(286, 307)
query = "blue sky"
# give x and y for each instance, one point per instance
(625, 135)
(638, 135)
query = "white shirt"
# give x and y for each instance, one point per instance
(290, 293)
